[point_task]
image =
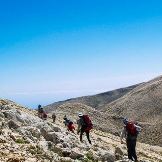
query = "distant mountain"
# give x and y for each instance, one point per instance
(95, 101)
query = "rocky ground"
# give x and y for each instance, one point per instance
(26, 138)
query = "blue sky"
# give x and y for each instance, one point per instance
(57, 49)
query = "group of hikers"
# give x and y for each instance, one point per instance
(130, 130)
(84, 125)
(43, 115)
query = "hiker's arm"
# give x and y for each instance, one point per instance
(78, 130)
(79, 126)
(64, 123)
(138, 128)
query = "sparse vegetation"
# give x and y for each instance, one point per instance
(89, 157)
(36, 150)
(21, 141)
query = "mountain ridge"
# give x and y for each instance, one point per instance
(97, 100)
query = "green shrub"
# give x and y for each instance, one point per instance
(20, 141)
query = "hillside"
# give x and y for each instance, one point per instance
(95, 101)
(26, 138)
(100, 121)
(144, 104)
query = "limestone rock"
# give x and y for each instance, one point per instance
(118, 153)
(76, 154)
(107, 156)
(13, 124)
(51, 136)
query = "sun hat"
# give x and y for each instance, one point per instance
(80, 114)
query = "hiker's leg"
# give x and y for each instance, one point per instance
(134, 149)
(87, 134)
(81, 134)
(73, 131)
(129, 149)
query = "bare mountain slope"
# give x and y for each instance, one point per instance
(141, 102)
(144, 103)
(95, 101)
(100, 121)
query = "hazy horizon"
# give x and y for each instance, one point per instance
(55, 50)
(29, 101)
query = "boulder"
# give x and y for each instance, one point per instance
(34, 131)
(52, 136)
(58, 149)
(10, 114)
(13, 125)
(56, 129)
(106, 156)
(66, 152)
(2, 140)
(65, 159)
(118, 153)
(14, 159)
(76, 154)
(2, 115)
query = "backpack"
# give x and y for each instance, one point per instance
(45, 115)
(53, 116)
(87, 122)
(131, 129)
(67, 122)
(70, 122)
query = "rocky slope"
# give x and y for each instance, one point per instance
(100, 120)
(144, 104)
(26, 138)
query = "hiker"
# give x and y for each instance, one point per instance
(130, 132)
(84, 126)
(41, 113)
(69, 124)
(54, 117)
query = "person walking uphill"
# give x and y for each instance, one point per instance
(54, 117)
(69, 124)
(130, 132)
(84, 125)
(41, 113)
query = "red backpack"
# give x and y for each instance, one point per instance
(45, 115)
(88, 122)
(131, 129)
